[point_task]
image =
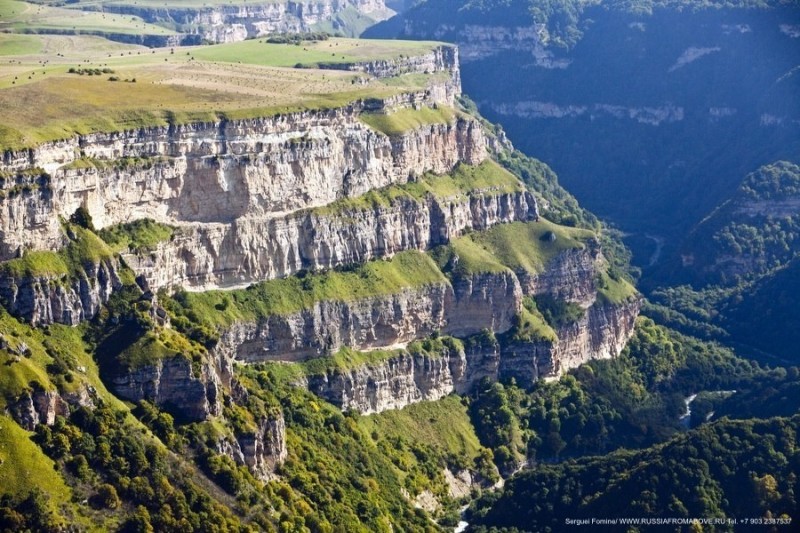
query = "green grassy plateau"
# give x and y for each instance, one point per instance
(125, 87)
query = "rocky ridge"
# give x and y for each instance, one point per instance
(230, 23)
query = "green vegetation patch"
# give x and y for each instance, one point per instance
(140, 235)
(527, 246)
(24, 466)
(330, 52)
(488, 178)
(36, 263)
(614, 290)
(28, 17)
(403, 120)
(443, 424)
(57, 357)
(283, 296)
(13, 45)
(157, 345)
(531, 326)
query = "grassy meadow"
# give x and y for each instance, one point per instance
(124, 87)
(18, 16)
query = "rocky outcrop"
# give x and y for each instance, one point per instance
(38, 406)
(222, 23)
(570, 276)
(265, 449)
(408, 378)
(261, 450)
(465, 307)
(191, 394)
(398, 381)
(600, 334)
(54, 298)
(206, 256)
(440, 59)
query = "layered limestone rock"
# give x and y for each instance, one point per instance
(570, 276)
(440, 59)
(252, 249)
(408, 378)
(465, 307)
(220, 172)
(600, 334)
(191, 394)
(399, 381)
(223, 23)
(59, 298)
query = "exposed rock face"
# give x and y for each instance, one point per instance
(261, 451)
(441, 59)
(228, 23)
(409, 378)
(42, 407)
(38, 407)
(254, 249)
(570, 276)
(216, 173)
(600, 334)
(172, 383)
(44, 299)
(399, 381)
(265, 449)
(463, 308)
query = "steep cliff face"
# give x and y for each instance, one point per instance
(220, 172)
(229, 23)
(59, 298)
(397, 382)
(600, 334)
(464, 308)
(191, 393)
(252, 249)
(570, 276)
(413, 377)
(261, 450)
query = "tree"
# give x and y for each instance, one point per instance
(106, 497)
(81, 217)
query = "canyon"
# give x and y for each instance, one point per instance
(303, 197)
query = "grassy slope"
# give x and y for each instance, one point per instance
(24, 467)
(518, 246)
(443, 424)
(404, 120)
(310, 54)
(12, 45)
(86, 247)
(140, 235)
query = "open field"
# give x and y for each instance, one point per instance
(42, 101)
(310, 54)
(18, 16)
